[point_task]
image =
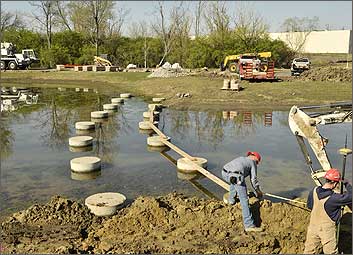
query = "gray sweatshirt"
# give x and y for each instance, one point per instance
(246, 166)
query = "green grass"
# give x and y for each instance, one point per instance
(206, 92)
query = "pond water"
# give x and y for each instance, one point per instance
(35, 156)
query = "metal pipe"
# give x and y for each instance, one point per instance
(332, 105)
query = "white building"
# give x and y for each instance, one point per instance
(335, 41)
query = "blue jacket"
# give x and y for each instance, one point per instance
(334, 202)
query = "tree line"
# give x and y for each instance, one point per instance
(73, 32)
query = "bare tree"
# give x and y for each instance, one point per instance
(198, 15)
(249, 27)
(100, 11)
(165, 30)
(140, 30)
(217, 17)
(10, 20)
(62, 14)
(97, 19)
(297, 31)
(44, 15)
(116, 21)
(217, 20)
(183, 21)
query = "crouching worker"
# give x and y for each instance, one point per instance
(235, 173)
(326, 213)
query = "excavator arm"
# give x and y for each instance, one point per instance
(102, 61)
(304, 126)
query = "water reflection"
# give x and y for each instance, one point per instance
(85, 176)
(211, 126)
(14, 98)
(6, 138)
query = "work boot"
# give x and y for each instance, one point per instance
(253, 229)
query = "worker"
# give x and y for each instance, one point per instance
(326, 213)
(235, 173)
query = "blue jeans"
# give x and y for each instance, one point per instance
(241, 191)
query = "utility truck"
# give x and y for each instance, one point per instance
(12, 60)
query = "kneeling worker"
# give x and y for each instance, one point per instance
(326, 213)
(235, 173)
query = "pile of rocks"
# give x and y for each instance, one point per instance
(168, 70)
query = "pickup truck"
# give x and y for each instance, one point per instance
(299, 65)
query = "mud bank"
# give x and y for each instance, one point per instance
(169, 224)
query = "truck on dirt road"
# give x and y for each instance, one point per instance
(12, 60)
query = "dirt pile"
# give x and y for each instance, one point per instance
(168, 70)
(56, 227)
(168, 224)
(330, 73)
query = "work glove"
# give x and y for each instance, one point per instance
(259, 194)
(233, 180)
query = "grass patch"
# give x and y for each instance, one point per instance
(205, 92)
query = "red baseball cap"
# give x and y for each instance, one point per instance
(256, 154)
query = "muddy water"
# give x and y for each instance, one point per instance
(35, 157)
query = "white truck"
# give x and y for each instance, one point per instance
(299, 65)
(11, 60)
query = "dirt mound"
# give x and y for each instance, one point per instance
(176, 224)
(167, 224)
(330, 73)
(56, 227)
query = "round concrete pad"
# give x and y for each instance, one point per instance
(125, 95)
(85, 125)
(85, 164)
(99, 114)
(158, 99)
(155, 107)
(80, 141)
(185, 165)
(156, 141)
(117, 100)
(110, 106)
(104, 204)
(145, 125)
(158, 149)
(147, 114)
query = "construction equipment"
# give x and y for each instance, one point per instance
(11, 60)
(250, 66)
(99, 61)
(304, 126)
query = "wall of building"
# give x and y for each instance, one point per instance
(336, 41)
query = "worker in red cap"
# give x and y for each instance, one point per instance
(235, 173)
(326, 213)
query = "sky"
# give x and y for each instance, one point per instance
(334, 14)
